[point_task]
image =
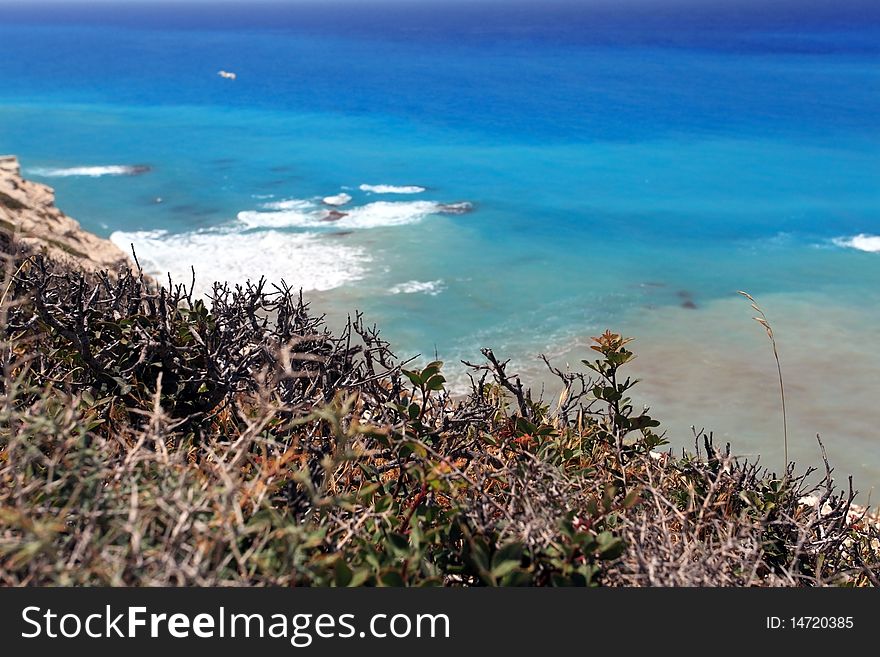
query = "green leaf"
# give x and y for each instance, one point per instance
(613, 551)
(480, 557)
(342, 574)
(414, 377)
(430, 581)
(507, 559)
(523, 426)
(359, 577)
(382, 503)
(488, 439)
(372, 559)
(504, 568)
(559, 580)
(511, 551)
(518, 577)
(592, 365)
(430, 370)
(366, 492)
(631, 499)
(435, 382)
(399, 543)
(391, 578)
(124, 388)
(608, 498)
(610, 546)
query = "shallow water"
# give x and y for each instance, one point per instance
(713, 369)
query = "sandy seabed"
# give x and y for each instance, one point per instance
(713, 367)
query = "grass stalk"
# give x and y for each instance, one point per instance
(763, 321)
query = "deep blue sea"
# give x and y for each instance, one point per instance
(521, 176)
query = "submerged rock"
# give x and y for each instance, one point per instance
(334, 215)
(457, 208)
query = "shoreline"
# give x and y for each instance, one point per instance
(28, 214)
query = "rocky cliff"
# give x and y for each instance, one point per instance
(29, 218)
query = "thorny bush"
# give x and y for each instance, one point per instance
(149, 437)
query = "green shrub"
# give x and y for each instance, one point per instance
(148, 438)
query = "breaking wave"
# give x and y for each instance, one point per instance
(226, 255)
(90, 172)
(338, 199)
(862, 242)
(298, 213)
(392, 189)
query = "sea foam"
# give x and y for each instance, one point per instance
(91, 171)
(432, 288)
(392, 189)
(338, 199)
(289, 204)
(388, 213)
(862, 242)
(302, 259)
(297, 213)
(279, 219)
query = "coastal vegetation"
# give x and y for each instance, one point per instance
(148, 437)
(151, 436)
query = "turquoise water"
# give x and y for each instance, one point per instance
(621, 168)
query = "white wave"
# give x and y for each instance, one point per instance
(338, 199)
(388, 213)
(432, 288)
(281, 219)
(862, 242)
(302, 259)
(392, 189)
(90, 172)
(290, 213)
(289, 204)
(305, 214)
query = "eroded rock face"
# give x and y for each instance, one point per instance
(29, 215)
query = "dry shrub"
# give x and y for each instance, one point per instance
(148, 438)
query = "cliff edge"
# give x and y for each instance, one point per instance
(29, 218)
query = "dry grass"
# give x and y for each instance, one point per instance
(765, 323)
(146, 439)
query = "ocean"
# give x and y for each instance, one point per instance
(521, 176)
